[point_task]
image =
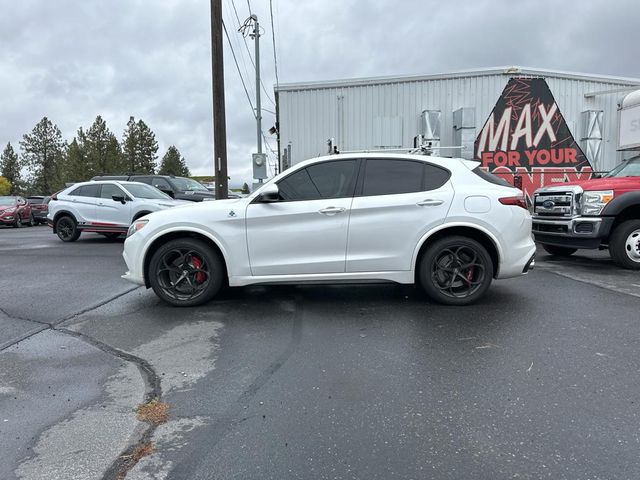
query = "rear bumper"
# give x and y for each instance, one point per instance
(576, 232)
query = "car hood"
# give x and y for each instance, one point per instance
(612, 183)
(168, 203)
(195, 212)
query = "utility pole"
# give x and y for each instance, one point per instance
(256, 37)
(219, 122)
(259, 159)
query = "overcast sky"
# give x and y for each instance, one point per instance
(72, 60)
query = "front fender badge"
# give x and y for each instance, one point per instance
(232, 213)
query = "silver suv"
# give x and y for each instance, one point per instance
(106, 207)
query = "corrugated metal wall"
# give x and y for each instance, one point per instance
(309, 115)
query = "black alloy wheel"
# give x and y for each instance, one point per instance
(186, 272)
(456, 270)
(67, 229)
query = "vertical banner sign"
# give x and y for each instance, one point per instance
(527, 135)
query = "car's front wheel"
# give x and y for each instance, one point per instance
(186, 272)
(67, 229)
(624, 245)
(456, 270)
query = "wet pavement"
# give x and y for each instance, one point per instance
(541, 379)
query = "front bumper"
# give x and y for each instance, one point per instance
(132, 254)
(8, 220)
(575, 232)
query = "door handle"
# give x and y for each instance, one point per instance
(331, 210)
(429, 202)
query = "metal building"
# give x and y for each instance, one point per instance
(448, 110)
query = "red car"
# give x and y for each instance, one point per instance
(15, 211)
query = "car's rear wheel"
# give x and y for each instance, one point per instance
(186, 272)
(624, 245)
(456, 270)
(559, 251)
(67, 229)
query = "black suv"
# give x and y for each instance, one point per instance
(180, 188)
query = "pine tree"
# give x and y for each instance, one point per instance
(139, 147)
(147, 148)
(130, 146)
(43, 154)
(76, 167)
(10, 168)
(173, 164)
(102, 149)
(245, 188)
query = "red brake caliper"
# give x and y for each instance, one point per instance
(197, 263)
(470, 275)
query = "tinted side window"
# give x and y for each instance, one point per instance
(325, 180)
(109, 190)
(388, 177)
(161, 184)
(434, 177)
(86, 191)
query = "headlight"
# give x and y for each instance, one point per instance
(593, 202)
(135, 226)
(10, 210)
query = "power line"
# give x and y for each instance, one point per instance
(273, 41)
(253, 111)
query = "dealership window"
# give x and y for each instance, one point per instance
(389, 177)
(324, 180)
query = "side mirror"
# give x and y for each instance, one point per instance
(270, 194)
(119, 198)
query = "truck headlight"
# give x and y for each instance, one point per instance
(135, 226)
(593, 202)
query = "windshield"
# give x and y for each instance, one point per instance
(145, 191)
(188, 185)
(626, 169)
(7, 200)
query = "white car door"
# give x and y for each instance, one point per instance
(83, 201)
(396, 203)
(305, 232)
(111, 212)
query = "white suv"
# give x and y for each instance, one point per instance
(106, 207)
(439, 222)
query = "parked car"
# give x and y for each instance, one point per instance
(180, 188)
(39, 208)
(107, 208)
(442, 223)
(599, 213)
(15, 211)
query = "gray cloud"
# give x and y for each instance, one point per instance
(73, 60)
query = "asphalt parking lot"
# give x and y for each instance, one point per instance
(539, 380)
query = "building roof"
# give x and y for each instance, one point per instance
(509, 71)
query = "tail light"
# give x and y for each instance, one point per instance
(516, 201)
(54, 196)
